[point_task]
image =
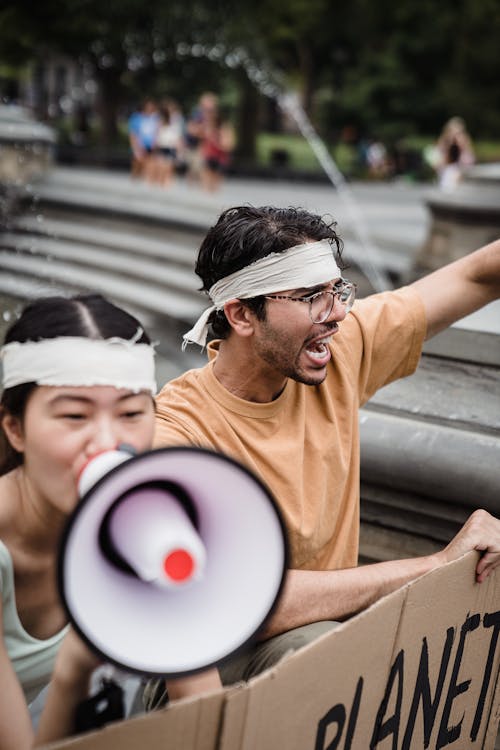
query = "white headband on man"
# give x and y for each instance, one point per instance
(301, 266)
(80, 361)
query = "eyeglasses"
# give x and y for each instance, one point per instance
(321, 303)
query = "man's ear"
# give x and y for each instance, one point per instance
(13, 430)
(240, 317)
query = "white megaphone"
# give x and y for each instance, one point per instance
(172, 560)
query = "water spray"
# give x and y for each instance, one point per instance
(271, 84)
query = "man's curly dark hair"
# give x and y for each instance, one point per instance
(244, 234)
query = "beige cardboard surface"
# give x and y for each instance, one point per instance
(447, 658)
(493, 729)
(417, 670)
(283, 707)
(191, 724)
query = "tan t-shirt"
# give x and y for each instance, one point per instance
(305, 444)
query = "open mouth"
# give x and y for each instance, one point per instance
(319, 350)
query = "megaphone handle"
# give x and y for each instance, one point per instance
(106, 705)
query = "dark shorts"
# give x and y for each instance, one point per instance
(168, 153)
(216, 166)
(249, 662)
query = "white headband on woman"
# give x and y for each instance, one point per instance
(301, 266)
(80, 361)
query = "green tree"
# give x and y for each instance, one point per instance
(126, 42)
(388, 68)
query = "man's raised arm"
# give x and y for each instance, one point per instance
(461, 287)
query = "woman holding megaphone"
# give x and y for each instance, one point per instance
(78, 378)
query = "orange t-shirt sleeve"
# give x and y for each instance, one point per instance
(388, 344)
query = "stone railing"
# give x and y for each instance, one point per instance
(463, 219)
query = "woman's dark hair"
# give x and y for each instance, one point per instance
(244, 234)
(87, 315)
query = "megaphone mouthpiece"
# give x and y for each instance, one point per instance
(150, 530)
(98, 466)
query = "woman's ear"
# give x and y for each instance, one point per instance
(240, 317)
(13, 430)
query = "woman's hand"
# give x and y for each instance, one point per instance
(68, 687)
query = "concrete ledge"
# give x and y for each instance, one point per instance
(434, 461)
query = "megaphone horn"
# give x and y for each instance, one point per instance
(172, 560)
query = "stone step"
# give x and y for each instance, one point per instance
(23, 288)
(140, 204)
(183, 252)
(395, 234)
(112, 238)
(83, 256)
(143, 295)
(106, 182)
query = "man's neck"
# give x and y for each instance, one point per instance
(245, 375)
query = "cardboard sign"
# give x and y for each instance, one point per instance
(419, 669)
(190, 724)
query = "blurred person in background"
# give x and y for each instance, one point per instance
(168, 145)
(452, 153)
(142, 129)
(216, 148)
(204, 112)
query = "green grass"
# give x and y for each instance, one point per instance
(302, 157)
(486, 151)
(300, 153)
